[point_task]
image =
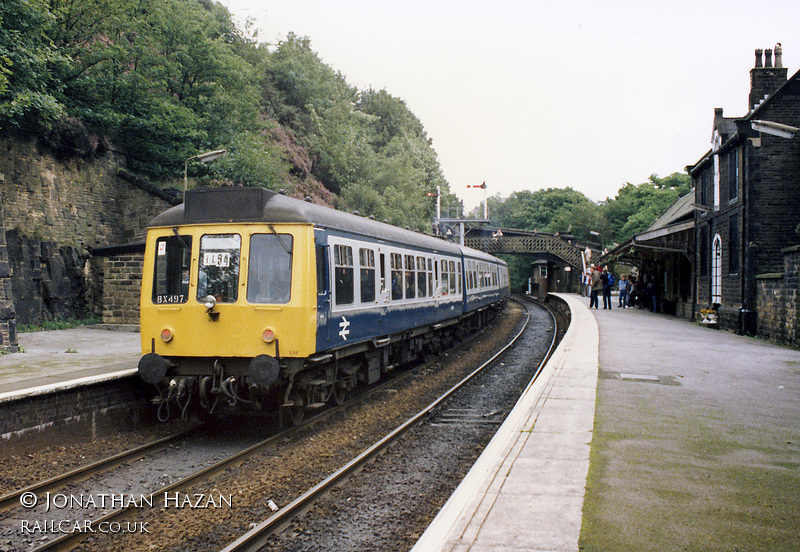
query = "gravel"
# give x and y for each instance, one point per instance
(384, 508)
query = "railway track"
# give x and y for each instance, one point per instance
(262, 448)
(260, 535)
(69, 540)
(82, 473)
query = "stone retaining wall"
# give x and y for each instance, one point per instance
(778, 298)
(56, 213)
(8, 317)
(84, 412)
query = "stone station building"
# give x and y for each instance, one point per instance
(732, 245)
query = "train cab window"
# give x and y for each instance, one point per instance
(219, 267)
(366, 258)
(411, 281)
(397, 276)
(172, 266)
(422, 280)
(343, 274)
(269, 269)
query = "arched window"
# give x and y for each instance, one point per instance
(716, 270)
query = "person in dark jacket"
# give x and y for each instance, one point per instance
(607, 281)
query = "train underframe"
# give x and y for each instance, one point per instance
(291, 387)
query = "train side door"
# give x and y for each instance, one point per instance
(384, 293)
(323, 286)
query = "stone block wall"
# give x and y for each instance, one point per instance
(57, 213)
(48, 282)
(85, 412)
(122, 283)
(80, 203)
(778, 298)
(8, 323)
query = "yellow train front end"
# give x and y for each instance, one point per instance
(224, 307)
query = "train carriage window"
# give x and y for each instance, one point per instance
(422, 278)
(459, 276)
(269, 271)
(397, 276)
(430, 278)
(219, 267)
(366, 259)
(452, 276)
(171, 277)
(382, 263)
(343, 274)
(411, 281)
(445, 283)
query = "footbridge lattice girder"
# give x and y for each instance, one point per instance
(528, 244)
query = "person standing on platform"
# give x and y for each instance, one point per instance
(597, 287)
(586, 282)
(607, 280)
(623, 291)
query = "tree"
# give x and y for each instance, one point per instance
(30, 90)
(166, 79)
(636, 207)
(551, 210)
(254, 159)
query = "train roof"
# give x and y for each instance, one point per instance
(259, 205)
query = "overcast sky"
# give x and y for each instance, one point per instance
(527, 95)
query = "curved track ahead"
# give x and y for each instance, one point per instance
(260, 535)
(69, 540)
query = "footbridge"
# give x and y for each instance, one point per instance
(523, 242)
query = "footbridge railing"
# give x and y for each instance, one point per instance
(520, 242)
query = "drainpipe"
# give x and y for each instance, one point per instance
(747, 275)
(695, 262)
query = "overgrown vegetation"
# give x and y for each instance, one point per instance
(164, 80)
(61, 324)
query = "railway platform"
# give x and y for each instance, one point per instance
(644, 433)
(51, 360)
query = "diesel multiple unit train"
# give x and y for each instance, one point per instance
(253, 299)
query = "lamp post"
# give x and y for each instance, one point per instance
(203, 158)
(599, 235)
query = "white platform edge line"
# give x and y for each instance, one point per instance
(444, 531)
(64, 385)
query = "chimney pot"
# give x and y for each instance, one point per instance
(764, 79)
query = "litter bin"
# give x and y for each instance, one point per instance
(747, 321)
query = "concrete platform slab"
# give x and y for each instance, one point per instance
(50, 358)
(695, 445)
(524, 492)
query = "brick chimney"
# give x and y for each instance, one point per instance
(764, 78)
